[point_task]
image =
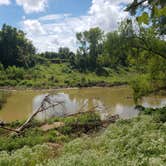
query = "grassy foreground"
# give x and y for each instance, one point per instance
(139, 141)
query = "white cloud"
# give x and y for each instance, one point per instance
(33, 27)
(52, 17)
(30, 6)
(121, 1)
(5, 2)
(106, 13)
(50, 32)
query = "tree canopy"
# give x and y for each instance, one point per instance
(150, 12)
(15, 48)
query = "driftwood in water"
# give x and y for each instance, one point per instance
(43, 107)
(9, 129)
(46, 104)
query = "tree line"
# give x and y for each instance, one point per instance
(138, 44)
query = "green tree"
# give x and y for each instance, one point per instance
(153, 14)
(115, 48)
(64, 52)
(15, 49)
(150, 12)
(151, 27)
(90, 47)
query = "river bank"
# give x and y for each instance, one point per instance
(61, 76)
(139, 141)
(98, 85)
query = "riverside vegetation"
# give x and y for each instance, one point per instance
(138, 141)
(113, 58)
(128, 55)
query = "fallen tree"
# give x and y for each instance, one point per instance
(46, 104)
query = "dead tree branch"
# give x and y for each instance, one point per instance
(45, 105)
(42, 108)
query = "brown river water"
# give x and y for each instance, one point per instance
(114, 100)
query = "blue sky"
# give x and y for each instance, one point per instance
(53, 23)
(12, 14)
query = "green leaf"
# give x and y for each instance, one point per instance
(144, 18)
(163, 11)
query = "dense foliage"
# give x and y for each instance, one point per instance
(150, 11)
(135, 54)
(15, 49)
(132, 142)
(26, 156)
(60, 75)
(138, 141)
(150, 45)
(159, 114)
(101, 59)
(74, 126)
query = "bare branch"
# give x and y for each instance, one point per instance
(134, 5)
(45, 105)
(42, 108)
(9, 129)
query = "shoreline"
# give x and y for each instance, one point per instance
(9, 88)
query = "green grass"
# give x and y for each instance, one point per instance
(74, 126)
(137, 142)
(60, 75)
(140, 141)
(26, 156)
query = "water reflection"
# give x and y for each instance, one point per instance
(153, 102)
(74, 105)
(114, 100)
(68, 106)
(126, 112)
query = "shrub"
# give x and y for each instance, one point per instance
(140, 141)
(15, 73)
(26, 156)
(159, 114)
(141, 87)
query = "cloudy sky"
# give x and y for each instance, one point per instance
(53, 23)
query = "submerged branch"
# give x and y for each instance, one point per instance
(42, 108)
(46, 104)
